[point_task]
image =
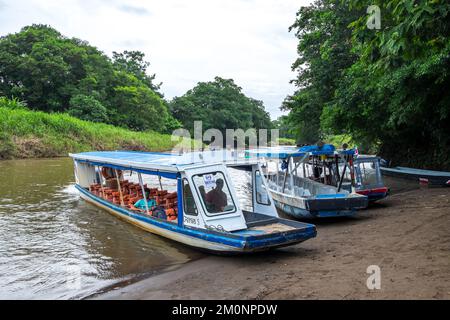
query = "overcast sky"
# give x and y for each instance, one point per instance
(186, 41)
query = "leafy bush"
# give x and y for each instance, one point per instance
(87, 108)
(13, 103)
(7, 147)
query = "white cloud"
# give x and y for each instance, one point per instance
(185, 41)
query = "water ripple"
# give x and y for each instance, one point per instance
(56, 246)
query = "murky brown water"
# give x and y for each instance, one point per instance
(49, 237)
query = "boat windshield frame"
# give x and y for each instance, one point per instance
(202, 201)
(368, 160)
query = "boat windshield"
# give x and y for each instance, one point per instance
(367, 172)
(214, 193)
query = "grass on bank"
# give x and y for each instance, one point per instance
(33, 134)
(286, 142)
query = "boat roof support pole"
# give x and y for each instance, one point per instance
(291, 180)
(119, 187)
(285, 174)
(352, 172)
(343, 175)
(302, 160)
(160, 184)
(278, 175)
(101, 180)
(141, 183)
(180, 201)
(338, 178)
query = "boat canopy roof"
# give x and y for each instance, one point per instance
(275, 152)
(160, 163)
(286, 152)
(315, 150)
(350, 152)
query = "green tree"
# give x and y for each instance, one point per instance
(394, 96)
(220, 104)
(87, 108)
(385, 88)
(285, 127)
(324, 50)
(44, 68)
(53, 73)
(134, 62)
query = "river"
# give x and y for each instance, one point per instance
(56, 246)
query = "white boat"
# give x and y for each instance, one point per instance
(295, 193)
(204, 210)
(335, 169)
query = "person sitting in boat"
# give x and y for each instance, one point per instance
(217, 198)
(317, 171)
(202, 192)
(140, 204)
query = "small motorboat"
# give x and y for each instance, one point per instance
(348, 170)
(430, 177)
(368, 178)
(203, 209)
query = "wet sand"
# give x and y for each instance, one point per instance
(406, 235)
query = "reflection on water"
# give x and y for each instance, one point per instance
(54, 245)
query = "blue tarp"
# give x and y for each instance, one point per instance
(286, 152)
(350, 152)
(327, 149)
(274, 153)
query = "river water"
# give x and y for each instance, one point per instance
(56, 246)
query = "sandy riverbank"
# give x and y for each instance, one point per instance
(407, 235)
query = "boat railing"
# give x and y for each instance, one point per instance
(302, 187)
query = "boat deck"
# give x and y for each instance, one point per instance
(262, 224)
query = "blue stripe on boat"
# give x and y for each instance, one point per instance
(233, 239)
(330, 196)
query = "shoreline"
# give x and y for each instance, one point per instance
(406, 235)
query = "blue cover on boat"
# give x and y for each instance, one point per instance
(350, 152)
(274, 153)
(326, 149)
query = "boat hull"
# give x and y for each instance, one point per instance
(433, 178)
(304, 208)
(374, 194)
(299, 213)
(204, 240)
